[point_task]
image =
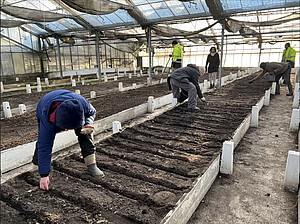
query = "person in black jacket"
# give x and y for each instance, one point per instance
(214, 62)
(186, 79)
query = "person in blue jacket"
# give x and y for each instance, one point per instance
(61, 110)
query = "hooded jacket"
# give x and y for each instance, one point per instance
(48, 130)
(188, 74)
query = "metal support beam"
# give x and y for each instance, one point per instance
(215, 8)
(98, 56)
(150, 58)
(221, 59)
(41, 55)
(59, 58)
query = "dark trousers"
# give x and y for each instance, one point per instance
(85, 141)
(177, 64)
(287, 78)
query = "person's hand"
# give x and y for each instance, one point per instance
(44, 183)
(87, 129)
(203, 100)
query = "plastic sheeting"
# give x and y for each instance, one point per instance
(5, 23)
(95, 7)
(126, 47)
(32, 14)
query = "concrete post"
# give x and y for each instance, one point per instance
(17, 79)
(130, 75)
(296, 100)
(120, 86)
(38, 81)
(105, 78)
(227, 158)
(118, 72)
(296, 89)
(203, 88)
(46, 81)
(267, 97)
(161, 80)
(273, 88)
(93, 94)
(73, 82)
(239, 73)
(133, 85)
(6, 109)
(294, 125)
(234, 77)
(230, 76)
(148, 81)
(254, 116)
(205, 84)
(98, 56)
(79, 78)
(292, 171)
(116, 127)
(141, 72)
(77, 91)
(2, 87)
(243, 74)
(156, 72)
(22, 109)
(150, 104)
(174, 102)
(39, 88)
(134, 72)
(82, 82)
(115, 78)
(28, 88)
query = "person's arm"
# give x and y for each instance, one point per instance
(258, 76)
(293, 54)
(195, 81)
(89, 114)
(218, 60)
(45, 143)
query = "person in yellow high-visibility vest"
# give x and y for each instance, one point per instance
(289, 55)
(176, 55)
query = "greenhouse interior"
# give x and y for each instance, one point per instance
(184, 111)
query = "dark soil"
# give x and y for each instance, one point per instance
(148, 167)
(23, 129)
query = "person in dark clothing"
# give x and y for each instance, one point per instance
(186, 79)
(58, 111)
(214, 62)
(275, 71)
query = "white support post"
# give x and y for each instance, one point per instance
(77, 91)
(2, 87)
(73, 82)
(115, 78)
(130, 75)
(22, 109)
(134, 72)
(141, 73)
(6, 109)
(161, 80)
(234, 77)
(150, 104)
(296, 89)
(156, 72)
(28, 88)
(254, 116)
(79, 78)
(273, 88)
(296, 100)
(105, 78)
(120, 86)
(124, 73)
(230, 76)
(292, 171)
(39, 88)
(243, 74)
(148, 81)
(116, 127)
(38, 81)
(204, 87)
(82, 82)
(294, 125)
(227, 158)
(46, 81)
(133, 85)
(267, 97)
(174, 102)
(118, 72)
(93, 94)
(222, 81)
(17, 79)
(239, 73)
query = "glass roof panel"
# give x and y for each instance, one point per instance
(92, 19)
(124, 16)
(113, 18)
(164, 13)
(196, 7)
(177, 8)
(148, 11)
(70, 23)
(55, 26)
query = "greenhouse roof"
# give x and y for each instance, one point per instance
(44, 17)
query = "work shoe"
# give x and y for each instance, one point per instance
(211, 86)
(289, 94)
(194, 109)
(94, 171)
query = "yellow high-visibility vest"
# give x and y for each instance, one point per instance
(289, 55)
(177, 52)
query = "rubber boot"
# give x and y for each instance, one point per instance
(290, 90)
(92, 168)
(277, 91)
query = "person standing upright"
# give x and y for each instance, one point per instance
(176, 55)
(289, 55)
(214, 61)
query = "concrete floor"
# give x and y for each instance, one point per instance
(254, 193)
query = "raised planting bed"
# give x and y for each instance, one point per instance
(149, 168)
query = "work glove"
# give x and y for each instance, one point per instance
(87, 130)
